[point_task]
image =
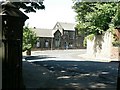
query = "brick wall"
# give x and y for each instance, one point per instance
(115, 52)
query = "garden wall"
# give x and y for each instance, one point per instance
(101, 47)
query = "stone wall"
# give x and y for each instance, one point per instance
(101, 47)
(107, 45)
(90, 47)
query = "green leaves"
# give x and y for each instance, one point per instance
(89, 37)
(116, 19)
(94, 18)
(29, 38)
(29, 6)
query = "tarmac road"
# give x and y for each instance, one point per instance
(69, 54)
(63, 70)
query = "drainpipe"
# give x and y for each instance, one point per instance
(51, 43)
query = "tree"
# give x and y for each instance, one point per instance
(116, 22)
(116, 19)
(101, 18)
(29, 39)
(94, 18)
(82, 8)
(93, 22)
(28, 5)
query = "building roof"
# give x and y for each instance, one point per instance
(43, 32)
(50, 32)
(66, 26)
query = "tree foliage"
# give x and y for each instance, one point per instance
(28, 5)
(116, 19)
(29, 38)
(94, 17)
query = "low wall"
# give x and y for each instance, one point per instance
(101, 47)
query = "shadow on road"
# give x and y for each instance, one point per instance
(70, 75)
(36, 57)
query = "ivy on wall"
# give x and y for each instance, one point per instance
(89, 37)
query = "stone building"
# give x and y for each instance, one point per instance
(62, 36)
(44, 37)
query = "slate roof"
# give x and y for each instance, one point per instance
(50, 32)
(66, 26)
(43, 32)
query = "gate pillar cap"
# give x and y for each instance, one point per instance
(10, 10)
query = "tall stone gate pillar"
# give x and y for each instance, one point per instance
(12, 29)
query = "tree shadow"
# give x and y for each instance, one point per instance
(80, 75)
(36, 57)
(98, 44)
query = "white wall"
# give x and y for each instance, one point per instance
(107, 45)
(100, 46)
(90, 47)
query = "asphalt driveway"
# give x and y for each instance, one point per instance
(45, 71)
(74, 74)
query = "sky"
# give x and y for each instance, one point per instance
(55, 11)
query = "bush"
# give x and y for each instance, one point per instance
(29, 38)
